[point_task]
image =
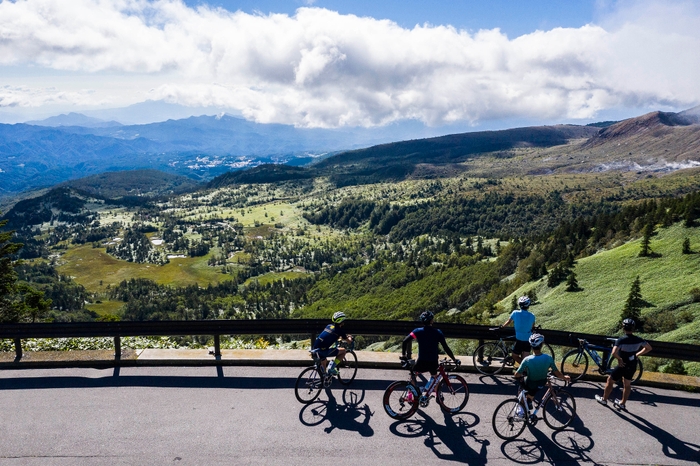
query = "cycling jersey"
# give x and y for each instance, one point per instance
(330, 335)
(629, 346)
(536, 367)
(428, 338)
(523, 320)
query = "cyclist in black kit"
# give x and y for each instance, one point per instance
(428, 338)
(626, 350)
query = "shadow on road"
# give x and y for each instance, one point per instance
(564, 447)
(671, 446)
(347, 415)
(449, 441)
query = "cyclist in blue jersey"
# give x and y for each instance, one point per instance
(627, 351)
(523, 321)
(428, 338)
(535, 368)
(325, 341)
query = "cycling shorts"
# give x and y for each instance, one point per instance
(327, 353)
(627, 372)
(533, 386)
(521, 346)
(426, 366)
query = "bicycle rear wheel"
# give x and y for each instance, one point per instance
(505, 422)
(489, 358)
(574, 364)
(401, 400)
(308, 385)
(347, 369)
(453, 397)
(559, 410)
(547, 349)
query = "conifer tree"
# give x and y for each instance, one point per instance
(646, 241)
(634, 304)
(571, 282)
(686, 246)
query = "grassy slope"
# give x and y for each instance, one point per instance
(606, 279)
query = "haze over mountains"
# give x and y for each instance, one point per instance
(72, 146)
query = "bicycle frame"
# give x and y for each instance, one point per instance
(522, 397)
(603, 362)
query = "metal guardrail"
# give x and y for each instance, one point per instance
(311, 327)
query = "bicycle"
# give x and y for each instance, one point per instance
(558, 411)
(491, 357)
(575, 362)
(312, 379)
(402, 398)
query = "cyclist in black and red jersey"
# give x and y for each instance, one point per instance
(428, 338)
(626, 350)
(325, 341)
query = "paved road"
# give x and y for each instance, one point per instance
(249, 415)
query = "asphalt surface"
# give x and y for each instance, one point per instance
(249, 415)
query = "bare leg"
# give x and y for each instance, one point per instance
(609, 385)
(626, 390)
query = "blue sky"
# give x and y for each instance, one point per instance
(456, 65)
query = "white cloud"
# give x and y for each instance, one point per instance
(321, 68)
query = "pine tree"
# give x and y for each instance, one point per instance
(686, 246)
(634, 304)
(646, 241)
(572, 283)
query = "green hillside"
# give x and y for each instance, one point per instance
(606, 278)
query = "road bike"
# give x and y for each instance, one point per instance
(402, 398)
(558, 411)
(312, 379)
(491, 357)
(575, 362)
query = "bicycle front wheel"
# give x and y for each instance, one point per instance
(505, 422)
(308, 385)
(559, 410)
(453, 394)
(401, 400)
(489, 358)
(347, 369)
(574, 364)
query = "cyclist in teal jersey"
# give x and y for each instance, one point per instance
(523, 321)
(535, 368)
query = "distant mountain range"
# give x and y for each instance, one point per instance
(217, 148)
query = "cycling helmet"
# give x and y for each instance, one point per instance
(536, 340)
(426, 317)
(524, 302)
(339, 317)
(628, 324)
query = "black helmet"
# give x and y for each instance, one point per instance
(628, 324)
(426, 317)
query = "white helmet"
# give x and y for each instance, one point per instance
(536, 340)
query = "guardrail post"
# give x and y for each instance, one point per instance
(18, 349)
(217, 346)
(117, 348)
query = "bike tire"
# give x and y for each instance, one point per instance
(504, 422)
(559, 413)
(637, 373)
(574, 364)
(347, 369)
(493, 358)
(308, 385)
(400, 400)
(453, 397)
